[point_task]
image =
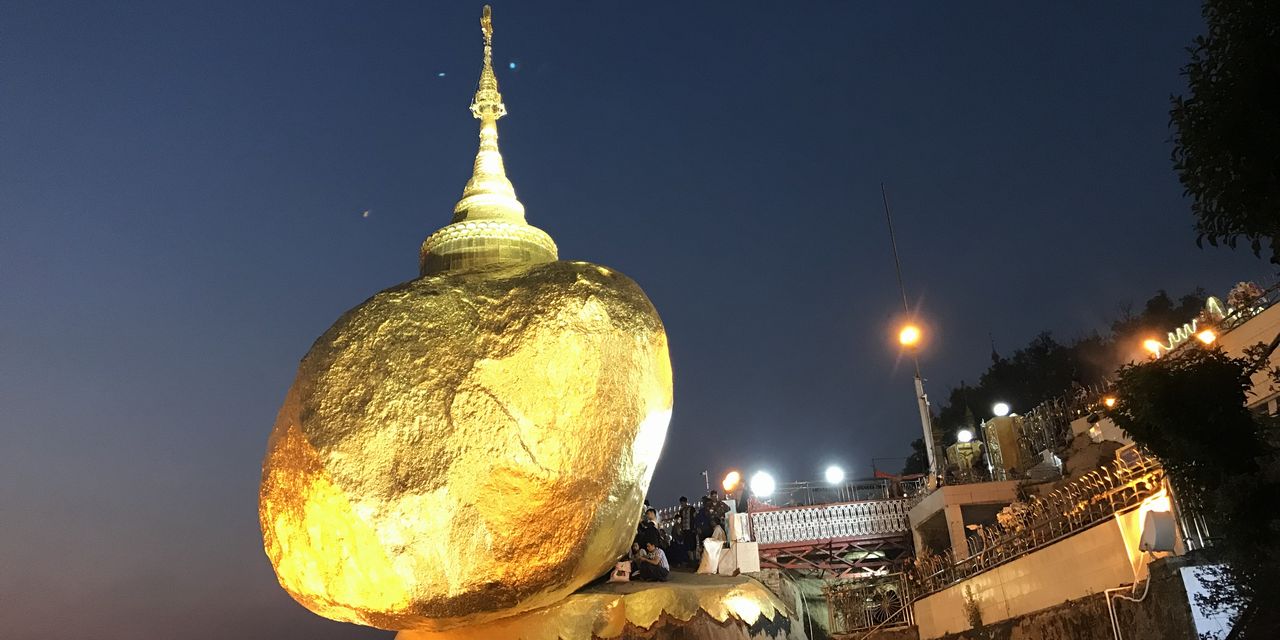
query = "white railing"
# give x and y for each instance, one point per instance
(833, 521)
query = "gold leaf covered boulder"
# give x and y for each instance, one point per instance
(474, 443)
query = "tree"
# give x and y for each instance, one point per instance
(1159, 314)
(918, 461)
(1188, 409)
(1037, 372)
(1227, 129)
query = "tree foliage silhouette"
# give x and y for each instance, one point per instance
(1227, 128)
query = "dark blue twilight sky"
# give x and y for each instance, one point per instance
(181, 188)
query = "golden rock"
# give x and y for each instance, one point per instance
(467, 446)
(474, 443)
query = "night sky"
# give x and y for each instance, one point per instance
(182, 188)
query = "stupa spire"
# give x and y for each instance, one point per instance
(488, 224)
(488, 194)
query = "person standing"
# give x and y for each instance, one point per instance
(648, 530)
(716, 508)
(686, 534)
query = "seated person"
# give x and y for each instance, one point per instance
(633, 556)
(676, 552)
(653, 564)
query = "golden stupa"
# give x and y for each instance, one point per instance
(474, 443)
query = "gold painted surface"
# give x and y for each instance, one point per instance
(603, 611)
(488, 224)
(463, 447)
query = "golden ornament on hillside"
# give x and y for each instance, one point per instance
(474, 443)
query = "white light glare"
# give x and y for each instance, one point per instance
(834, 475)
(1000, 409)
(964, 435)
(762, 484)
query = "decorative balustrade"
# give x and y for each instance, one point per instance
(806, 493)
(1047, 426)
(868, 604)
(872, 518)
(1097, 496)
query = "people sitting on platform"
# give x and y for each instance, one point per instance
(653, 564)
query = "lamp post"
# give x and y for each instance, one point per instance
(909, 337)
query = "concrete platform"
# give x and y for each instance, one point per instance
(938, 521)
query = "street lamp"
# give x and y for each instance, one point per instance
(964, 436)
(1001, 409)
(834, 475)
(1207, 336)
(909, 336)
(762, 484)
(1152, 345)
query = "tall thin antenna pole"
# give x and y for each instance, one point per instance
(897, 266)
(893, 241)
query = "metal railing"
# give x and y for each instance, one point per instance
(800, 494)
(825, 522)
(1047, 426)
(1097, 496)
(864, 605)
(859, 508)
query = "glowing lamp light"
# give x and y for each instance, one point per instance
(1001, 409)
(964, 435)
(731, 481)
(909, 336)
(762, 484)
(1109, 401)
(1207, 336)
(1158, 503)
(1152, 345)
(834, 475)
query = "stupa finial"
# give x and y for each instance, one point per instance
(488, 224)
(487, 103)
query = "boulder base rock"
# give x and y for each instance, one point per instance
(467, 446)
(687, 607)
